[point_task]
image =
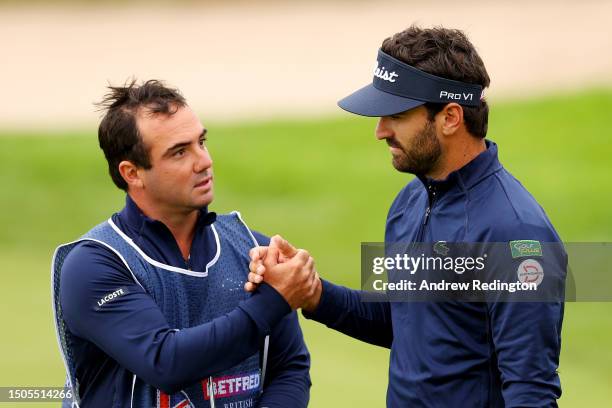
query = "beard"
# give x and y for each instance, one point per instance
(421, 156)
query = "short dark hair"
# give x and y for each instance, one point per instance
(447, 53)
(118, 133)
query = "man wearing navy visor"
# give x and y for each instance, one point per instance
(428, 92)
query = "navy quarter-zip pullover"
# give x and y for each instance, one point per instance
(460, 354)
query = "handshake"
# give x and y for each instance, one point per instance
(289, 270)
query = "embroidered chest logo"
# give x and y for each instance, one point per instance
(440, 248)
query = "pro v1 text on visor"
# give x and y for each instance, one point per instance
(398, 87)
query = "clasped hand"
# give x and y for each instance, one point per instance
(289, 270)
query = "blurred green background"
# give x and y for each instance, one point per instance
(325, 185)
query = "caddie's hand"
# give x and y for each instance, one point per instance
(296, 280)
(279, 251)
(256, 268)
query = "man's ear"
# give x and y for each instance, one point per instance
(451, 118)
(131, 175)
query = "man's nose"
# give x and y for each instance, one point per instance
(204, 161)
(383, 128)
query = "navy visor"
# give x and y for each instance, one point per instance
(398, 87)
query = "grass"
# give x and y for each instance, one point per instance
(326, 185)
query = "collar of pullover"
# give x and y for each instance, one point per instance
(136, 220)
(482, 166)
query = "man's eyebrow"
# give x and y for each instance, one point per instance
(178, 145)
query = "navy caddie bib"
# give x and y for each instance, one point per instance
(186, 298)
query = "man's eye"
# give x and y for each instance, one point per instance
(202, 141)
(179, 153)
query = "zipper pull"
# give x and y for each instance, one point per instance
(427, 212)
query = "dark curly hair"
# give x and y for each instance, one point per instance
(447, 53)
(118, 133)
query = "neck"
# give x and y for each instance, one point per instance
(180, 223)
(455, 157)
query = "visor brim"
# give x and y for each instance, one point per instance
(369, 101)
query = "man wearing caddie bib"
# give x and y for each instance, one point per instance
(149, 305)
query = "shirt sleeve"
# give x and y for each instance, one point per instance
(527, 334)
(130, 328)
(287, 382)
(342, 309)
(527, 344)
